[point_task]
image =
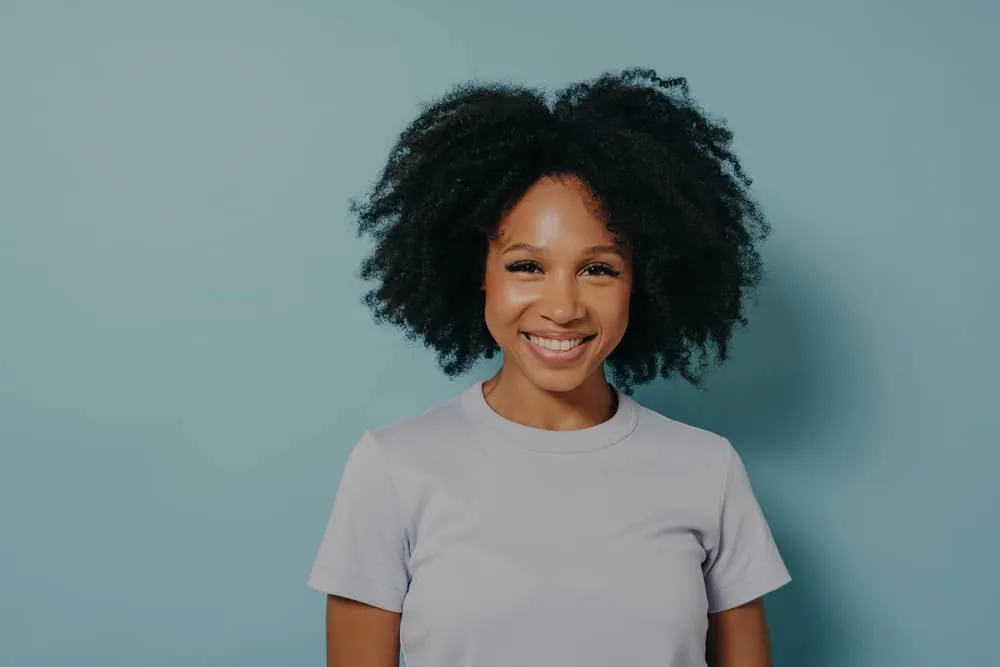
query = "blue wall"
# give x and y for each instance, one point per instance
(184, 363)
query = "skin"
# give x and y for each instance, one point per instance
(359, 635)
(739, 637)
(555, 270)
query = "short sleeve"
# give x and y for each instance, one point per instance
(744, 564)
(364, 552)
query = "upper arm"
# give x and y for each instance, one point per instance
(362, 564)
(364, 553)
(741, 568)
(743, 563)
(360, 635)
(739, 637)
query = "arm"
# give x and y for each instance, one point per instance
(359, 635)
(739, 637)
(741, 567)
(362, 564)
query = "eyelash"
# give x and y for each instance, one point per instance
(526, 266)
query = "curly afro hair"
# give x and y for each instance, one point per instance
(660, 170)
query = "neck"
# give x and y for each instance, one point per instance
(514, 397)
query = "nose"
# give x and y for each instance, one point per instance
(560, 300)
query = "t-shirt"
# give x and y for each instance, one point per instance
(503, 544)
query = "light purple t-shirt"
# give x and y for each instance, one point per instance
(504, 545)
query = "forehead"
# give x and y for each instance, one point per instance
(556, 212)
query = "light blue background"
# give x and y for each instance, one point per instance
(184, 362)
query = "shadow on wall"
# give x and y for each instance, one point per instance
(772, 399)
(771, 394)
(807, 626)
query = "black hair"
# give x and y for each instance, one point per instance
(660, 169)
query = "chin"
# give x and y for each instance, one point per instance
(557, 382)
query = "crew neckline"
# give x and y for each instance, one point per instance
(605, 434)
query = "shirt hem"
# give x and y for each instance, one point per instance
(357, 589)
(740, 594)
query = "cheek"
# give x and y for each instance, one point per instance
(615, 311)
(506, 299)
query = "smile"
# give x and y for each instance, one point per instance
(556, 345)
(558, 351)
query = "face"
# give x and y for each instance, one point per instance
(557, 287)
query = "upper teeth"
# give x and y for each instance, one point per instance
(556, 345)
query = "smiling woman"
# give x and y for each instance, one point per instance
(544, 517)
(557, 291)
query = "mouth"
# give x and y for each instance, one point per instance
(557, 350)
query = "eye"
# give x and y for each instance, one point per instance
(523, 266)
(601, 270)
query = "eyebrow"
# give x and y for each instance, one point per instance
(592, 250)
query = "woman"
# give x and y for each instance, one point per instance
(544, 517)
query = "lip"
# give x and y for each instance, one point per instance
(554, 357)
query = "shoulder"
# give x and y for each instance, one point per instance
(423, 436)
(695, 446)
(428, 423)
